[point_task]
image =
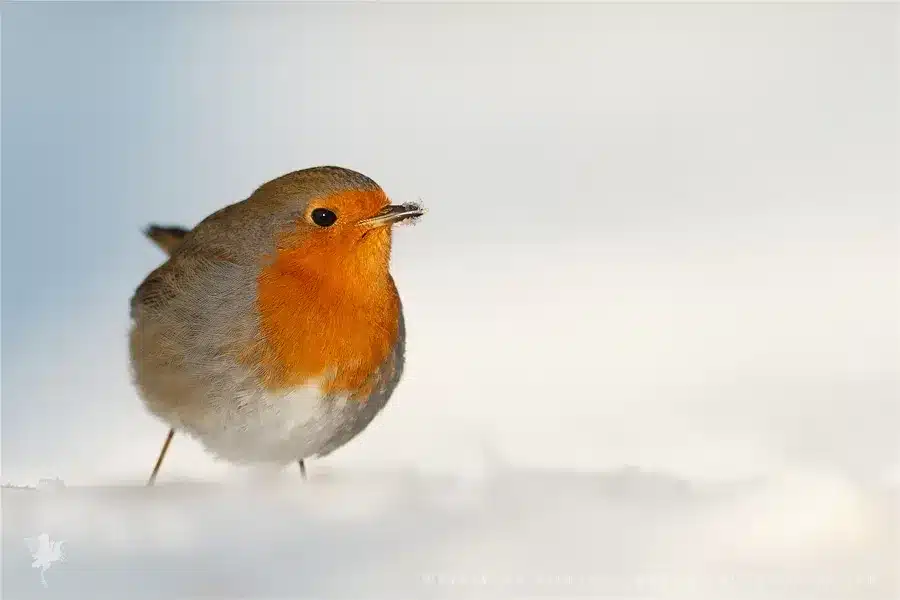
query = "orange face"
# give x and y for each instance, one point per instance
(349, 231)
(332, 224)
(327, 305)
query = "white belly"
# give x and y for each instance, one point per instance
(269, 427)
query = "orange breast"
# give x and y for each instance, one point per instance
(315, 324)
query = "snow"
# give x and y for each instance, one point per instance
(502, 533)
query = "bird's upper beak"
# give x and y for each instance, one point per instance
(393, 213)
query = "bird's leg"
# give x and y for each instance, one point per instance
(302, 468)
(162, 455)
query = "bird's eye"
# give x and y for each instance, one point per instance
(323, 217)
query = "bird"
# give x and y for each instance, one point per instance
(274, 330)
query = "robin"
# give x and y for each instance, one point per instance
(274, 331)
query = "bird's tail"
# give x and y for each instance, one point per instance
(167, 238)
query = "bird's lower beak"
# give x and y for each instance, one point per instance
(393, 213)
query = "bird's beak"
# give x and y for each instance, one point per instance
(393, 213)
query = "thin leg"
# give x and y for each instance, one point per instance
(302, 468)
(162, 455)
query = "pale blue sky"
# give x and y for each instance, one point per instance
(669, 229)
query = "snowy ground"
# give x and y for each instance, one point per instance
(506, 533)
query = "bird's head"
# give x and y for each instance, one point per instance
(333, 220)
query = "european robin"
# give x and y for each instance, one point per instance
(274, 331)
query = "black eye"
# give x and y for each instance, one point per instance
(323, 217)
